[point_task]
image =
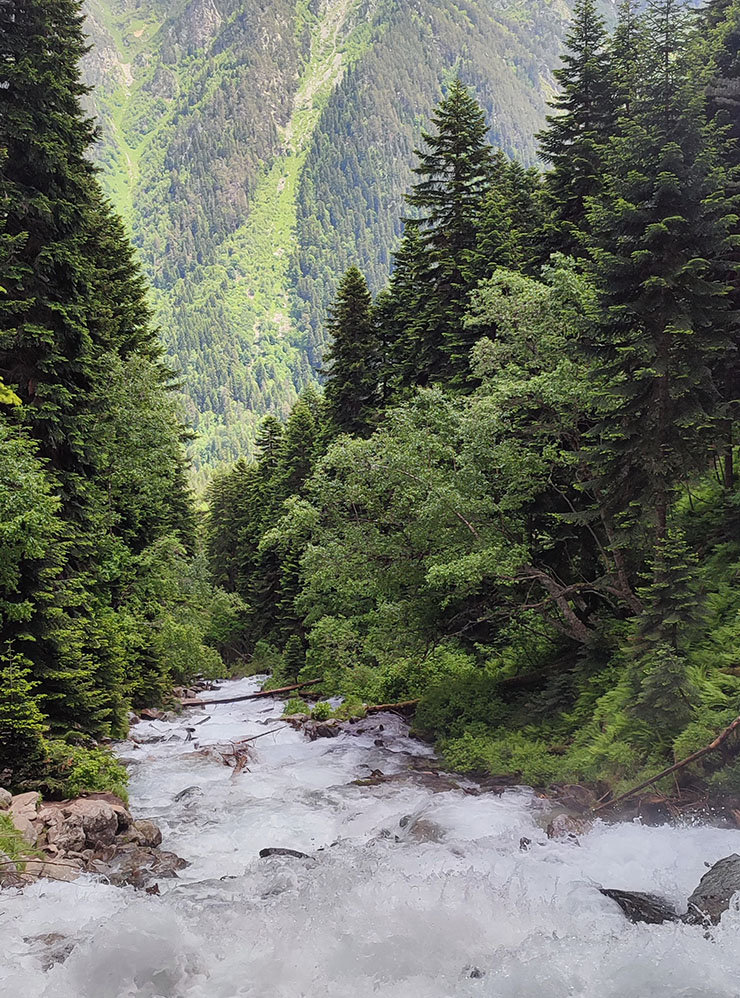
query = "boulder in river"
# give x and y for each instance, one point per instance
(712, 897)
(565, 826)
(639, 907)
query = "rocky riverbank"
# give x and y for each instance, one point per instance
(93, 834)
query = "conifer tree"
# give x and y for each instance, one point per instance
(584, 118)
(721, 48)
(354, 358)
(659, 227)
(454, 174)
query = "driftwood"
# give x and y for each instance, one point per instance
(403, 706)
(250, 696)
(694, 757)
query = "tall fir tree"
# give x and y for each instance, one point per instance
(354, 359)
(573, 142)
(660, 226)
(454, 172)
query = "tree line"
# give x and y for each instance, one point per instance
(103, 604)
(517, 496)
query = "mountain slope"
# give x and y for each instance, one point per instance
(256, 149)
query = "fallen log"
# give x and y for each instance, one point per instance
(694, 757)
(250, 696)
(399, 708)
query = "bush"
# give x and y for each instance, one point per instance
(71, 770)
(322, 711)
(296, 706)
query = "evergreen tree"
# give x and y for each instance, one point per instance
(454, 175)
(721, 36)
(572, 143)
(659, 227)
(354, 357)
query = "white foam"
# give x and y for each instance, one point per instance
(407, 891)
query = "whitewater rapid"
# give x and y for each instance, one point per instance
(407, 894)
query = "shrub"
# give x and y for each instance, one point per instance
(296, 706)
(71, 770)
(322, 711)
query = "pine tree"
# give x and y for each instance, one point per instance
(354, 358)
(454, 175)
(572, 143)
(659, 227)
(511, 231)
(721, 48)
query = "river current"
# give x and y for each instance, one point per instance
(408, 893)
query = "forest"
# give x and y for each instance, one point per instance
(516, 499)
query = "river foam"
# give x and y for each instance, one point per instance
(407, 893)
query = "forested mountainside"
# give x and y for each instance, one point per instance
(257, 149)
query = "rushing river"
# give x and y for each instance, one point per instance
(408, 894)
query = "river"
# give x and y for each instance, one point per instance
(408, 893)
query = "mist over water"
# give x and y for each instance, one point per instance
(407, 894)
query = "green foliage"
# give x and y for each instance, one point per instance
(322, 711)
(296, 706)
(12, 844)
(72, 770)
(541, 547)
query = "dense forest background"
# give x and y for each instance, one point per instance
(256, 150)
(517, 499)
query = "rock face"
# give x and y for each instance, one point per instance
(93, 834)
(712, 897)
(639, 907)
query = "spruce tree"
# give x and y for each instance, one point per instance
(660, 226)
(572, 143)
(454, 174)
(354, 358)
(721, 48)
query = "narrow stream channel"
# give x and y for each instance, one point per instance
(408, 893)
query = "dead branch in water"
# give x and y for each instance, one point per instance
(250, 696)
(399, 708)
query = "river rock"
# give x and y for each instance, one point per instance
(149, 834)
(5, 799)
(322, 729)
(25, 826)
(138, 865)
(26, 804)
(565, 826)
(65, 870)
(712, 897)
(639, 907)
(99, 821)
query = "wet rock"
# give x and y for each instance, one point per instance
(9, 875)
(65, 870)
(99, 821)
(151, 714)
(524, 844)
(421, 829)
(295, 720)
(639, 907)
(189, 793)
(51, 948)
(136, 866)
(713, 895)
(149, 834)
(565, 826)
(322, 729)
(122, 813)
(264, 853)
(5, 799)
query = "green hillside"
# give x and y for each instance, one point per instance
(255, 150)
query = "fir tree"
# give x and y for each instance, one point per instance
(572, 143)
(354, 358)
(454, 174)
(659, 227)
